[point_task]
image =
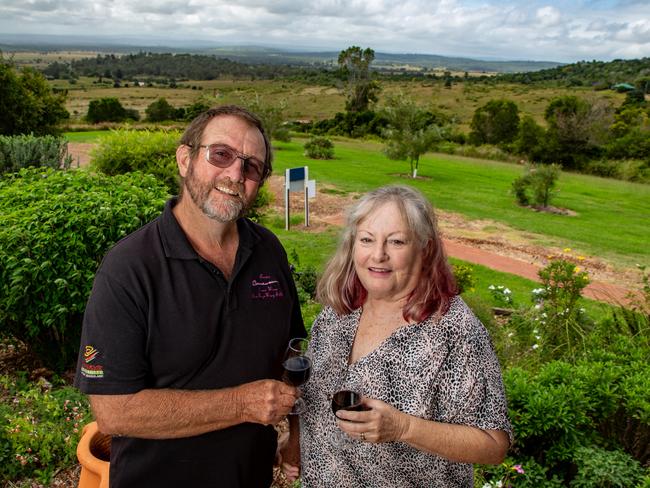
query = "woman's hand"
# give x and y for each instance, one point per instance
(380, 423)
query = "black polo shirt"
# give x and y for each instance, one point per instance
(160, 316)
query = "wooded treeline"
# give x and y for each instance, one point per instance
(597, 74)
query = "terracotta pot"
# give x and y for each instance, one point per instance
(94, 454)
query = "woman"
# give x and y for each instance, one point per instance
(394, 328)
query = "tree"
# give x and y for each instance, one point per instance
(160, 110)
(530, 139)
(106, 110)
(495, 122)
(272, 117)
(576, 129)
(27, 104)
(355, 66)
(409, 133)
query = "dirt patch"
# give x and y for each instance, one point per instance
(80, 152)
(490, 243)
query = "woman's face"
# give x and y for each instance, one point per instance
(386, 257)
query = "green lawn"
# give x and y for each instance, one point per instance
(612, 216)
(86, 136)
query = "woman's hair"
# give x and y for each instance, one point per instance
(340, 287)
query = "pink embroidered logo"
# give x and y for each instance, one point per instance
(265, 287)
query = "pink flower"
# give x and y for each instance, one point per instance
(518, 468)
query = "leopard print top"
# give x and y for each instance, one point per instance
(443, 370)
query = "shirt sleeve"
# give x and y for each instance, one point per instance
(112, 356)
(473, 392)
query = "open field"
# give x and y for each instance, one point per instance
(610, 220)
(40, 59)
(306, 101)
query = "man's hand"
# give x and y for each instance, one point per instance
(265, 401)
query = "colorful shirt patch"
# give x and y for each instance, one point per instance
(91, 370)
(265, 287)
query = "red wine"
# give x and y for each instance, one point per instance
(347, 400)
(297, 370)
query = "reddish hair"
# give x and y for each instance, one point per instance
(340, 287)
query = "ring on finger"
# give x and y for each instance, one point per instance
(362, 436)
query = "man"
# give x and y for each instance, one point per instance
(188, 320)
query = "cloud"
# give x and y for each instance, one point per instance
(540, 29)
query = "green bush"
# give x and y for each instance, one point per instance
(319, 148)
(465, 280)
(263, 199)
(151, 152)
(562, 322)
(540, 180)
(107, 110)
(27, 103)
(598, 467)
(602, 400)
(18, 152)
(162, 110)
(40, 428)
(57, 226)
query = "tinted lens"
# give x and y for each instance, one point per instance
(253, 169)
(223, 156)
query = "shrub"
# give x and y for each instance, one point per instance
(540, 180)
(149, 152)
(40, 432)
(106, 110)
(465, 280)
(562, 322)
(27, 103)
(495, 122)
(319, 148)
(263, 199)
(598, 467)
(193, 110)
(57, 226)
(24, 151)
(161, 110)
(305, 278)
(602, 400)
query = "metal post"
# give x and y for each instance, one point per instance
(306, 206)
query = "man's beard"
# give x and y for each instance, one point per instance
(224, 208)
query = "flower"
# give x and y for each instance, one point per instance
(577, 269)
(518, 468)
(567, 249)
(535, 346)
(581, 258)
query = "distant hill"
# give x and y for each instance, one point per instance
(597, 74)
(263, 55)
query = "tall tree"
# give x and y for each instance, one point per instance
(361, 90)
(27, 104)
(410, 132)
(495, 122)
(576, 129)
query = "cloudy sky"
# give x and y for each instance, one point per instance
(554, 30)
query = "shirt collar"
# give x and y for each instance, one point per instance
(176, 244)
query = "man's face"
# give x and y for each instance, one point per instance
(223, 194)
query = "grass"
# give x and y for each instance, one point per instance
(86, 136)
(314, 249)
(612, 215)
(306, 101)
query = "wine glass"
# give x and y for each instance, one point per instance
(297, 368)
(345, 400)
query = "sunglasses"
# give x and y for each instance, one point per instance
(222, 156)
